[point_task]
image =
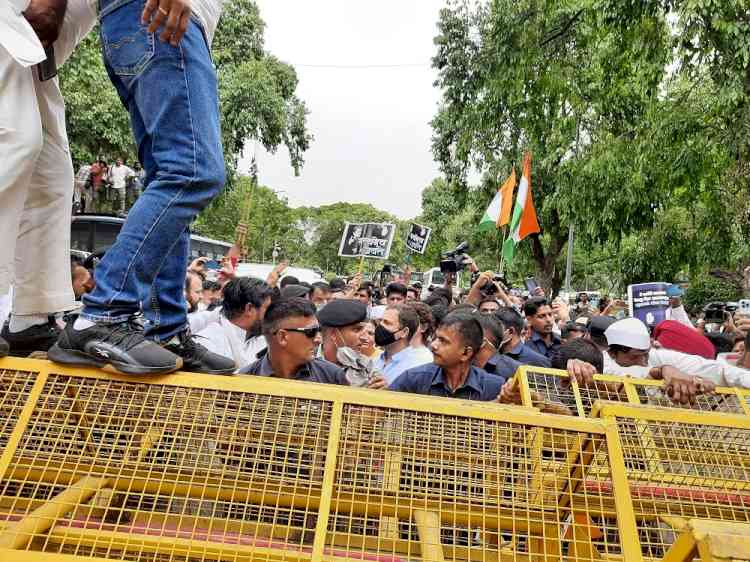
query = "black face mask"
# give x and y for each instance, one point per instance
(383, 336)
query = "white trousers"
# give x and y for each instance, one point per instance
(36, 189)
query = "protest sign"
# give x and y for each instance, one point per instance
(368, 240)
(648, 302)
(417, 239)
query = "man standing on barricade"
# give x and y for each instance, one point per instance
(157, 56)
(36, 172)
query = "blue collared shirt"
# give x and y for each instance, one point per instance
(430, 380)
(317, 370)
(404, 360)
(537, 343)
(527, 356)
(501, 365)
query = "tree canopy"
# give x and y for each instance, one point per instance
(627, 108)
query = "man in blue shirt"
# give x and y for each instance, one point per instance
(489, 357)
(541, 319)
(457, 340)
(394, 335)
(513, 347)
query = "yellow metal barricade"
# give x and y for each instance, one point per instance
(190, 468)
(681, 465)
(555, 386)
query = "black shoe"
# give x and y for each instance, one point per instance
(37, 338)
(113, 347)
(3, 348)
(197, 358)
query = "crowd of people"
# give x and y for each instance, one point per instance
(109, 189)
(465, 344)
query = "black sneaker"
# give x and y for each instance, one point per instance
(37, 338)
(197, 358)
(3, 348)
(113, 347)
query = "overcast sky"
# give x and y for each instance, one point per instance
(371, 125)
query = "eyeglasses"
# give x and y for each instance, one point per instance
(310, 332)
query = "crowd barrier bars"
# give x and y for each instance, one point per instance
(188, 467)
(680, 465)
(555, 386)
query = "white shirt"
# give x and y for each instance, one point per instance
(717, 372)
(231, 341)
(199, 320)
(118, 175)
(679, 315)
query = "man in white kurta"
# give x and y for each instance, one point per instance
(36, 173)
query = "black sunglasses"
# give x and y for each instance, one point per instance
(310, 332)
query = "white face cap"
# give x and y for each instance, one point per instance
(629, 332)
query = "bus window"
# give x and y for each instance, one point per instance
(105, 234)
(80, 236)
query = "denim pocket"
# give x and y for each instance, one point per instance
(128, 46)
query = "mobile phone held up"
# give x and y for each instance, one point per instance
(531, 285)
(743, 308)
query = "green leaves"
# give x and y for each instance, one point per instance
(630, 108)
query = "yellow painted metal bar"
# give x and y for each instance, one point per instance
(742, 396)
(626, 524)
(522, 380)
(19, 533)
(631, 392)
(329, 475)
(577, 394)
(428, 526)
(174, 546)
(672, 415)
(23, 417)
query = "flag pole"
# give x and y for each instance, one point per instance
(502, 243)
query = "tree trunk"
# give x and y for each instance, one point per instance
(547, 274)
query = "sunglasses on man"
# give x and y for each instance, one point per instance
(310, 332)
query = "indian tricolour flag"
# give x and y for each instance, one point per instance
(498, 213)
(524, 220)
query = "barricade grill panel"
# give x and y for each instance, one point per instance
(680, 466)
(554, 386)
(194, 468)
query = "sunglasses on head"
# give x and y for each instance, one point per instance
(310, 332)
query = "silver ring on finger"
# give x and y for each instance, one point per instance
(163, 11)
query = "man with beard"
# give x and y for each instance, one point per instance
(237, 335)
(343, 323)
(542, 321)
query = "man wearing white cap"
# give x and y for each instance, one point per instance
(630, 353)
(676, 310)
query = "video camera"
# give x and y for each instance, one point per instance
(455, 260)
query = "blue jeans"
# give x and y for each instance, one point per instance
(171, 95)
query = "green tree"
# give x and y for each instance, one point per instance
(627, 114)
(271, 220)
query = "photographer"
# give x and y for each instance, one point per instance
(488, 285)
